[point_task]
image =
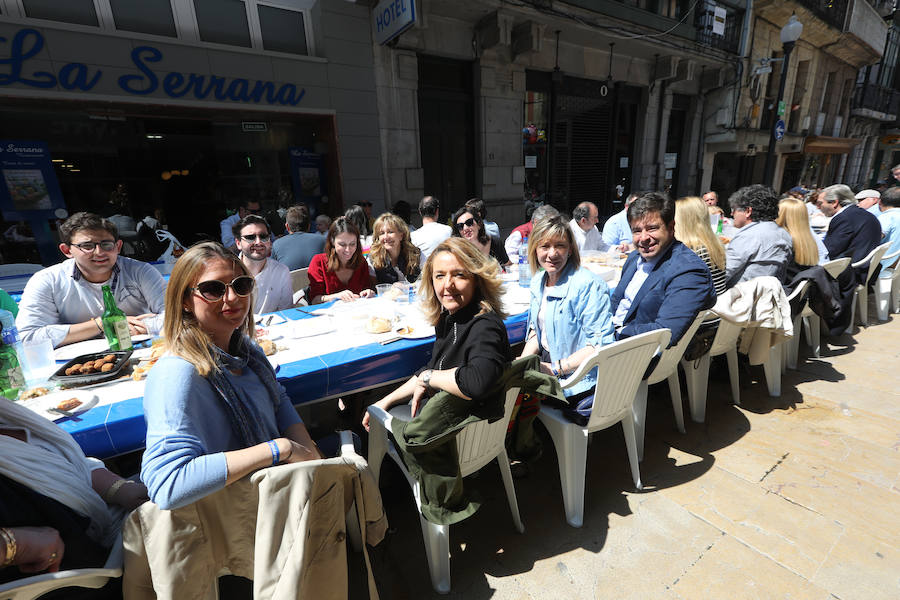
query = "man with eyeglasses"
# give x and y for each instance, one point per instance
(63, 303)
(273, 280)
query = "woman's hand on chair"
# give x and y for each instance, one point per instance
(294, 452)
(38, 549)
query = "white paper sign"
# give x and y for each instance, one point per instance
(718, 25)
(531, 161)
(670, 160)
(623, 162)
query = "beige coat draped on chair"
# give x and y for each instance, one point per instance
(762, 308)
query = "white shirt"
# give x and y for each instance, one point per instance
(273, 289)
(427, 237)
(591, 239)
(644, 267)
(512, 245)
(59, 296)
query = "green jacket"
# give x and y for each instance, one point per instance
(424, 447)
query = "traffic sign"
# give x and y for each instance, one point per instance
(779, 130)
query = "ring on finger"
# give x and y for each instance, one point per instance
(52, 558)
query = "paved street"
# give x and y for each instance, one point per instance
(791, 497)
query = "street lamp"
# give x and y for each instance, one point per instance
(790, 33)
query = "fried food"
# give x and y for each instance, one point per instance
(102, 365)
(268, 346)
(34, 393)
(107, 367)
(378, 325)
(69, 404)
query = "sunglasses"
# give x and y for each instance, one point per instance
(214, 290)
(105, 245)
(263, 237)
(467, 223)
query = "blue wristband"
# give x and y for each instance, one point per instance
(276, 454)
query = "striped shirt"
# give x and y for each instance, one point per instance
(718, 275)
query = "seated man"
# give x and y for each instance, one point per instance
(247, 207)
(273, 280)
(760, 247)
(432, 232)
(890, 223)
(852, 231)
(664, 284)
(514, 243)
(868, 199)
(616, 230)
(63, 303)
(297, 248)
(584, 226)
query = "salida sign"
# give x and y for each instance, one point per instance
(27, 43)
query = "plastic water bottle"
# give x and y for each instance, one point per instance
(524, 269)
(11, 378)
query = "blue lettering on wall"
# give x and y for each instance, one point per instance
(27, 43)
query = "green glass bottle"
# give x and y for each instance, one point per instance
(115, 325)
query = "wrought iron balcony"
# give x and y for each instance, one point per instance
(874, 101)
(833, 12)
(704, 20)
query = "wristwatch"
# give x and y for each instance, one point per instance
(426, 377)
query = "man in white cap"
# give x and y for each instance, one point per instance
(868, 199)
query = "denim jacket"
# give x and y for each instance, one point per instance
(578, 313)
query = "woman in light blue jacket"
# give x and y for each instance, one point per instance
(570, 310)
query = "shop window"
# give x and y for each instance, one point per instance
(144, 16)
(79, 12)
(282, 30)
(223, 22)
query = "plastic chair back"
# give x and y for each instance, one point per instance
(480, 442)
(836, 267)
(299, 279)
(873, 259)
(668, 361)
(13, 269)
(621, 368)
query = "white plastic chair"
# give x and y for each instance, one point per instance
(886, 288)
(621, 367)
(812, 321)
(299, 283)
(792, 346)
(696, 373)
(477, 444)
(36, 586)
(861, 293)
(666, 368)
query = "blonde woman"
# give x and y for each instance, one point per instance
(692, 229)
(214, 410)
(393, 257)
(809, 250)
(461, 293)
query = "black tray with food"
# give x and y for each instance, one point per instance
(92, 368)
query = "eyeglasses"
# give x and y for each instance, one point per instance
(105, 245)
(467, 223)
(263, 237)
(214, 290)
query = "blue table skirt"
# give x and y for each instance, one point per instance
(118, 428)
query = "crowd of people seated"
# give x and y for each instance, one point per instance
(215, 411)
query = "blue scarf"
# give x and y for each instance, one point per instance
(241, 408)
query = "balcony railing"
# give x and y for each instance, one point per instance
(704, 20)
(876, 98)
(833, 12)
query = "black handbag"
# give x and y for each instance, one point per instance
(702, 340)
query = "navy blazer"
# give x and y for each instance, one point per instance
(677, 289)
(853, 232)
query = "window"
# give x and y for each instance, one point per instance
(144, 16)
(223, 22)
(282, 30)
(79, 12)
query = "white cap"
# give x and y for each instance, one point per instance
(868, 194)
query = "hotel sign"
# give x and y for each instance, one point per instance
(393, 17)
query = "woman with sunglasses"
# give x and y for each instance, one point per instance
(393, 256)
(340, 273)
(214, 410)
(470, 226)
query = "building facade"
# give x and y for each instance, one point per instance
(191, 106)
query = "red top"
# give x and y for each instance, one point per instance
(324, 281)
(525, 230)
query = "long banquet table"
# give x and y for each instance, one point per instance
(118, 427)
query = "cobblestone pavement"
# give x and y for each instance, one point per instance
(791, 497)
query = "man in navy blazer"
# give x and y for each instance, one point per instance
(852, 231)
(664, 284)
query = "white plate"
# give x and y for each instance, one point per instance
(69, 352)
(419, 331)
(311, 327)
(276, 319)
(51, 400)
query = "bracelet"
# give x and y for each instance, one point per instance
(97, 322)
(112, 490)
(276, 453)
(554, 369)
(10, 540)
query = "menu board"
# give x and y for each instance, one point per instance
(28, 186)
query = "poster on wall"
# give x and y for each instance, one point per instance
(28, 186)
(308, 176)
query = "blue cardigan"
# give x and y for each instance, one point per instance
(188, 431)
(677, 289)
(577, 315)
